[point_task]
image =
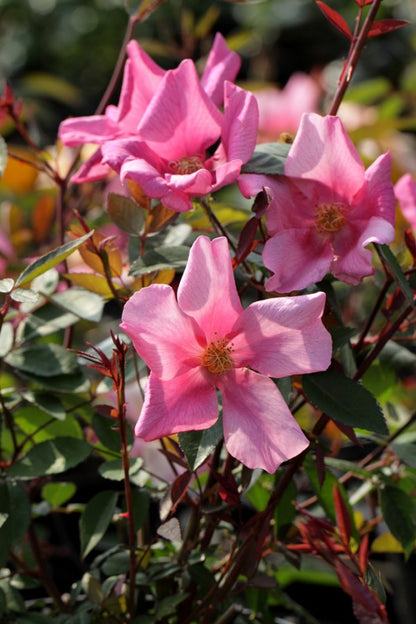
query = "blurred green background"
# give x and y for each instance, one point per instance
(59, 54)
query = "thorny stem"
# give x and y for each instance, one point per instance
(352, 60)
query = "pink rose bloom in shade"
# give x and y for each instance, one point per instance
(141, 79)
(325, 210)
(204, 341)
(280, 111)
(170, 159)
(405, 191)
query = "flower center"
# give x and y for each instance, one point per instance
(217, 357)
(330, 217)
(187, 164)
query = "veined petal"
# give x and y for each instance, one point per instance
(92, 129)
(162, 335)
(226, 174)
(283, 336)
(240, 123)
(322, 151)
(207, 291)
(181, 120)
(259, 429)
(194, 184)
(298, 258)
(222, 64)
(186, 403)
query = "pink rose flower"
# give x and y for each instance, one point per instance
(170, 160)
(405, 191)
(141, 79)
(204, 341)
(280, 111)
(325, 210)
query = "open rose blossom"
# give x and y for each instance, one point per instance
(170, 159)
(326, 208)
(141, 79)
(204, 341)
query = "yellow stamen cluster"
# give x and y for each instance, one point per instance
(330, 217)
(187, 164)
(217, 357)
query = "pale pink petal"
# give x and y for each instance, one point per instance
(162, 335)
(259, 429)
(298, 258)
(283, 336)
(181, 120)
(352, 262)
(207, 291)
(92, 129)
(240, 122)
(184, 403)
(405, 191)
(222, 64)
(323, 151)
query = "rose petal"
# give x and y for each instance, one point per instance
(283, 336)
(162, 335)
(207, 291)
(184, 403)
(298, 259)
(259, 429)
(222, 64)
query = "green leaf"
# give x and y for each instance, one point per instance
(160, 258)
(126, 214)
(7, 283)
(50, 259)
(3, 155)
(199, 445)
(75, 383)
(107, 432)
(51, 457)
(57, 494)
(24, 295)
(45, 360)
(406, 451)
(113, 468)
(398, 511)
(14, 502)
(396, 273)
(41, 426)
(6, 338)
(268, 159)
(48, 403)
(83, 303)
(45, 321)
(345, 400)
(95, 520)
